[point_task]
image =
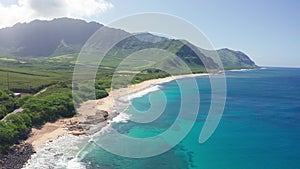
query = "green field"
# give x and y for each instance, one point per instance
(28, 80)
(30, 76)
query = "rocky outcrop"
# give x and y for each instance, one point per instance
(92, 124)
(17, 156)
(99, 117)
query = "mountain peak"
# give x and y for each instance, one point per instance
(148, 37)
(42, 37)
(61, 36)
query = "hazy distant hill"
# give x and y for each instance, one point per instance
(66, 36)
(231, 59)
(42, 38)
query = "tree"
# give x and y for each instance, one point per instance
(101, 94)
(7, 136)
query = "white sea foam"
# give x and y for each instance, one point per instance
(141, 93)
(75, 164)
(121, 118)
(240, 70)
(61, 153)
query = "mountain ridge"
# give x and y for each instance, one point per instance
(66, 36)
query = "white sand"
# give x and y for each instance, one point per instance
(51, 131)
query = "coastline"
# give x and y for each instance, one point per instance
(93, 116)
(52, 131)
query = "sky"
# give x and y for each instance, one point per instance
(266, 30)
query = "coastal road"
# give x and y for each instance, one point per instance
(19, 110)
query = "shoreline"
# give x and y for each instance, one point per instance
(51, 131)
(93, 116)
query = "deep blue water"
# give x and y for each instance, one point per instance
(260, 127)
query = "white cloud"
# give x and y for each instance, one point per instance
(28, 10)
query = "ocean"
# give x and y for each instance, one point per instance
(259, 128)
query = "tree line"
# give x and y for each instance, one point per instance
(37, 111)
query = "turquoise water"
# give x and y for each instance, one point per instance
(260, 127)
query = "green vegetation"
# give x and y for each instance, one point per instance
(231, 59)
(45, 72)
(37, 111)
(8, 59)
(10, 133)
(54, 102)
(7, 103)
(149, 74)
(49, 108)
(31, 76)
(30, 79)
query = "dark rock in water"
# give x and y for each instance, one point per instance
(76, 127)
(92, 124)
(102, 113)
(95, 128)
(78, 133)
(58, 155)
(17, 156)
(112, 115)
(100, 116)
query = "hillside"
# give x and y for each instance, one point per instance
(43, 38)
(66, 36)
(37, 59)
(231, 59)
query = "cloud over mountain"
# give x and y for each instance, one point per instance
(28, 10)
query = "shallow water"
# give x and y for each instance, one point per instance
(259, 128)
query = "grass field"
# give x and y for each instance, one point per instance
(18, 79)
(30, 76)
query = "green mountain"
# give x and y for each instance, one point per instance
(231, 59)
(43, 38)
(66, 36)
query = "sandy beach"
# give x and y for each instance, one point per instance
(51, 131)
